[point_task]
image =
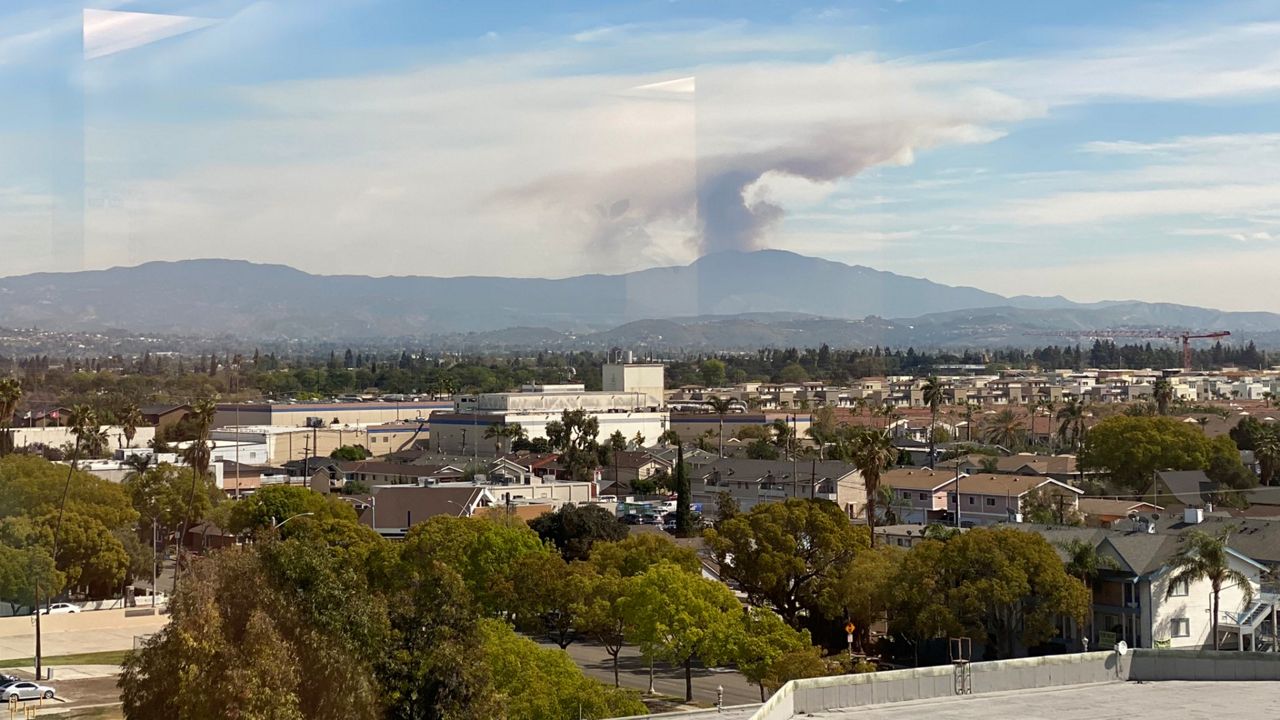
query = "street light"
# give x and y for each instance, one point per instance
(277, 525)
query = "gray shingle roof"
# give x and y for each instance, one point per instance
(1189, 487)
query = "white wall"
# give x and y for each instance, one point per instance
(57, 436)
(1196, 606)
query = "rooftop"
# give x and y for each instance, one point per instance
(1172, 699)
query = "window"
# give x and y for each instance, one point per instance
(1180, 589)
(1181, 627)
(971, 500)
(906, 495)
(924, 496)
(991, 502)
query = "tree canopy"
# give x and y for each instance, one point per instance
(574, 529)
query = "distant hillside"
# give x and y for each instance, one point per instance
(726, 300)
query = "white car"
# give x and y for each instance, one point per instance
(59, 609)
(25, 690)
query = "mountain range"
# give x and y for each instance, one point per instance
(726, 300)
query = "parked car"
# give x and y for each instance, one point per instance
(60, 609)
(25, 690)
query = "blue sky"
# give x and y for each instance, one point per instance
(1091, 149)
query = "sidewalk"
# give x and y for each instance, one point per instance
(70, 672)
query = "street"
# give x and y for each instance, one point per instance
(633, 672)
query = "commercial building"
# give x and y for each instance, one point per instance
(344, 413)
(463, 433)
(282, 443)
(647, 379)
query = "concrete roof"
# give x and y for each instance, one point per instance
(1182, 700)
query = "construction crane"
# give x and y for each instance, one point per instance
(1185, 336)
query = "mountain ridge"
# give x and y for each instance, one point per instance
(762, 294)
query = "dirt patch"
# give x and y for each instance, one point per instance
(90, 691)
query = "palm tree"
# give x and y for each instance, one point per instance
(932, 394)
(1162, 392)
(498, 432)
(86, 429)
(137, 465)
(198, 456)
(1005, 429)
(1266, 449)
(969, 409)
(10, 396)
(130, 418)
(720, 406)
(1085, 562)
(871, 452)
(1050, 408)
(1071, 424)
(1205, 557)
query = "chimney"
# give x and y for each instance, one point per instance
(1193, 515)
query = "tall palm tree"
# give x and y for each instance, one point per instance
(10, 396)
(1162, 393)
(932, 395)
(1085, 562)
(1071, 425)
(1050, 407)
(86, 428)
(197, 456)
(720, 406)
(130, 418)
(872, 452)
(1006, 429)
(1205, 557)
(969, 409)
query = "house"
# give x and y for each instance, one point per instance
(990, 498)
(626, 467)
(378, 472)
(1133, 602)
(1059, 467)
(751, 482)
(163, 417)
(1184, 488)
(919, 494)
(906, 535)
(1105, 512)
(392, 509)
(207, 536)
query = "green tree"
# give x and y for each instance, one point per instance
(1044, 506)
(1132, 449)
(684, 496)
(480, 550)
(1266, 451)
(764, 640)
(549, 594)
(782, 555)
(574, 529)
(237, 639)
(999, 582)
(21, 568)
(712, 372)
(158, 494)
(504, 433)
(350, 453)
(635, 554)
(272, 505)
(603, 614)
(574, 437)
(435, 663)
(538, 683)
(862, 592)
(1206, 557)
(679, 617)
(10, 396)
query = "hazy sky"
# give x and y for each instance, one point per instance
(1091, 149)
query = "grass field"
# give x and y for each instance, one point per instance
(112, 657)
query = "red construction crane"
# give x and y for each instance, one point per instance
(1185, 336)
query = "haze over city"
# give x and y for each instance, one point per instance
(1096, 150)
